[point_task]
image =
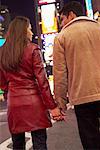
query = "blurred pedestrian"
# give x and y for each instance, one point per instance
(77, 71)
(25, 85)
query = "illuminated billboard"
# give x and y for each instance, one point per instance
(45, 1)
(48, 42)
(2, 41)
(89, 8)
(49, 20)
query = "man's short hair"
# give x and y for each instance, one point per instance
(73, 6)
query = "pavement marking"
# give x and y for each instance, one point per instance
(3, 113)
(5, 144)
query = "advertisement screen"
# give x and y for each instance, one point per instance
(2, 41)
(48, 42)
(49, 20)
(45, 1)
(89, 8)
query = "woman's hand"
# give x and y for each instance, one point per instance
(57, 114)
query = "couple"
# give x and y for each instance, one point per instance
(76, 72)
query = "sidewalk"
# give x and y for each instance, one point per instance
(64, 135)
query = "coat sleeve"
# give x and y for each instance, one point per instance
(3, 84)
(40, 74)
(60, 72)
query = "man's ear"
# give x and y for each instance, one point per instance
(72, 15)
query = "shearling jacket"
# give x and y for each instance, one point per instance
(76, 60)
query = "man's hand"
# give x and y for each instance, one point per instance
(57, 114)
(62, 104)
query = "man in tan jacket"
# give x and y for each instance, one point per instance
(76, 60)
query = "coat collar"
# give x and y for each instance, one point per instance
(78, 19)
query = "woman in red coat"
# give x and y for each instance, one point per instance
(24, 82)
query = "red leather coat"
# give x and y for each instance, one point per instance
(28, 93)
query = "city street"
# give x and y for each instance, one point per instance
(66, 33)
(62, 136)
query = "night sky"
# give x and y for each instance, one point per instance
(24, 8)
(21, 7)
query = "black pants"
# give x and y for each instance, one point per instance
(39, 138)
(88, 116)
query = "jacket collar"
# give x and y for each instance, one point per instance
(78, 19)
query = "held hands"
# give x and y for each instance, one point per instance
(57, 114)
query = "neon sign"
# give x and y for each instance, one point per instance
(89, 8)
(45, 1)
(49, 20)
